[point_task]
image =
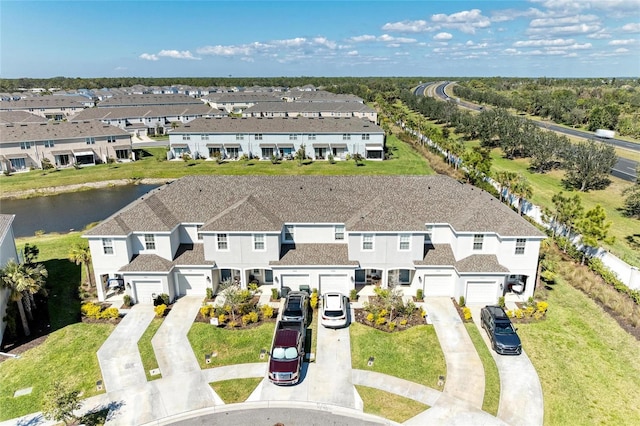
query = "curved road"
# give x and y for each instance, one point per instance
(624, 168)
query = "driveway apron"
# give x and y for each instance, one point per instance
(521, 400)
(465, 372)
(118, 356)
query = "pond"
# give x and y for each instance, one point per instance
(69, 211)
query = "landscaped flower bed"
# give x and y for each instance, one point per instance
(239, 308)
(388, 312)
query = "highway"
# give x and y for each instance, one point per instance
(623, 169)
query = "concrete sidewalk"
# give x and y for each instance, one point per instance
(521, 400)
(465, 372)
(119, 358)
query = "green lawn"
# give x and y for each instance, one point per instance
(587, 364)
(388, 405)
(147, 354)
(236, 390)
(413, 354)
(491, 376)
(233, 346)
(67, 354)
(404, 160)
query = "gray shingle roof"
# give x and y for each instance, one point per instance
(278, 125)
(191, 254)
(480, 263)
(314, 254)
(57, 131)
(7, 117)
(362, 203)
(116, 113)
(5, 224)
(133, 100)
(302, 107)
(438, 254)
(147, 263)
(51, 101)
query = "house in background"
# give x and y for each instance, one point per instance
(7, 252)
(312, 109)
(25, 145)
(334, 233)
(280, 136)
(52, 107)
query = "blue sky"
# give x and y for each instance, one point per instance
(528, 38)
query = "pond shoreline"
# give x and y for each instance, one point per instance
(54, 190)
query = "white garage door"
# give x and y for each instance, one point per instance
(192, 284)
(329, 283)
(145, 290)
(438, 285)
(481, 292)
(294, 281)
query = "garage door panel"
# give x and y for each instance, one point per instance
(192, 284)
(334, 283)
(145, 290)
(438, 285)
(294, 281)
(481, 292)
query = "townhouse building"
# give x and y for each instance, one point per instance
(25, 145)
(256, 137)
(312, 109)
(50, 107)
(135, 99)
(333, 233)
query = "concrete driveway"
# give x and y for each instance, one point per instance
(521, 400)
(118, 356)
(465, 372)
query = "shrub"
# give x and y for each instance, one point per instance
(383, 312)
(110, 313)
(232, 324)
(205, 310)
(313, 301)
(381, 321)
(267, 311)
(370, 317)
(253, 317)
(209, 293)
(91, 310)
(403, 322)
(246, 319)
(128, 302)
(419, 294)
(162, 299)
(46, 164)
(274, 294)
(222, 318)
(542, 307)
(467, 313)
(501, 301)
(353, 295)
(392, 325)
(423, 313)
(159, 310)
(529, 310)
(461, 301)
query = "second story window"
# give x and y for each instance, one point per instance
(198, 233)
(346, 137)
(338, 233)
(49, 144)
(107, 246)
(239, 137)
(312, 137)
(404, 242)
(258, 136)
(365, 136)
(367, 242)
(258, 242)
(288, 233)
(149, 242)
(90, 141)
(186, 137)
(478, 240)
(520, 244)
(223, 242)
(111, 139)
(25, 145)
(293, 137)
(205, 137)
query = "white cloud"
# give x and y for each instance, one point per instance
(419, 26)
(626, 42)
(219, 50)
(292, 42)
(384, 38)
(631, 28)
(149, 57)
(599, 35)
(363, 38)
(322, 41)
(352, 53)
(621, 50)
(443, 36)
(177, 54)
(466, 21)
(538, 43)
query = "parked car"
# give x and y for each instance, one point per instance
(334, 310)
(287, 352)
(503, 336)
(296, 307)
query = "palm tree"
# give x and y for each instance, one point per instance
(522, 189)
(12, 278)
(81, 255)
(34, 281)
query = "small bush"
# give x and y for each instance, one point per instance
(370, 317)
(461, 301)
(274, 294)
(501, 301)
(127, 300)
(232, 324)
(529, 310)
(162, 299)
(353, 295)
(403, 322)
(159, 310)
(542, 307)
(91, 310)
(209, 293)
(419, 294)
(222, 318)
(313, 301)
(392, 325)
(205, 310)
(381, 321)
(467, 313)
(423, 313)
(110, 313)
(267, 311)
(383, 312)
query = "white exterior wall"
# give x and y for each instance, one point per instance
(314, 274)
(7, 251)
(385, 253)
(166, 283)
(164, 247)
(464, 245)
(315, 234)
(188, 234)
(108, 263)
(240, 253)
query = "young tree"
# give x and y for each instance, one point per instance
(588, 165)
(301, 154)
(506, 180)
(12, 277)
(594, 228)
(523, 190)
(477, 163)
(632, 201)
(60, 402)
(81, 255)
(357, 158)
(30, 254)
(567, 211)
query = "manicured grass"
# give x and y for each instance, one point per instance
(491, 376)
(236, 390)
(311, 344)
(587, 364)
(388, 405)
(404, 160)
(413, 354)
(232, 346)
(67, 354)
(145, 348)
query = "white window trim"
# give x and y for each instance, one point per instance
(521, 243)
(225, 241)
(152, 241)
(335, 232)
(199, 235)
(481, 242)
(255, 241)
(105, 246)
(292, 232)
(372, 242)
(400, 237)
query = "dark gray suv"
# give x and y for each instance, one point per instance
(296, 307)
(503, 336)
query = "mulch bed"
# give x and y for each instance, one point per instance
(412, 321)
